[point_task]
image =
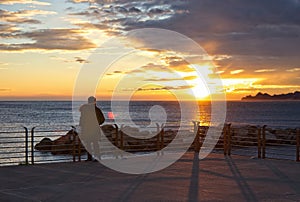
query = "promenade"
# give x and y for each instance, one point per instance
(216, 178)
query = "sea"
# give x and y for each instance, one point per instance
(54, 118)
(278, 114)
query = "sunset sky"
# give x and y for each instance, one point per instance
(254, 44)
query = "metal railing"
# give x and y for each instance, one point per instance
(14, 146)
(43, 145)
(48, 145)
(257, 141)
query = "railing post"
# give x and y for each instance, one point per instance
(264, 141)
(158, 139)
(73, 151)
(297, 144)
(74, 147)
(117, 135)
(79, 147)
(26, 145)
(259, 143)
(197, 136)
(32, 145)
(122, 140)
(229, 139)
(225, 139)
(162, 138)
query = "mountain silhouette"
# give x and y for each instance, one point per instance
(266, 96)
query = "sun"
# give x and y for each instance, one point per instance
(200, 91)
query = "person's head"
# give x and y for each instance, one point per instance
(92, 100)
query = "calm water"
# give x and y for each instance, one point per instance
(37, 113)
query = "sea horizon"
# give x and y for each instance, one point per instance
(272, 113)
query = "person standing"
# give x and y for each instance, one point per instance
(90, 120)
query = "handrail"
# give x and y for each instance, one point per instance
(18, 146)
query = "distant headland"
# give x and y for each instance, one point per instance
(266, 96)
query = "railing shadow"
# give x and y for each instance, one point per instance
(194, 180)
(240, 180)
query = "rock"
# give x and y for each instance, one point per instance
(108, 128)
(65, 143)
(61, 145)
(44, 145)
(286, 136)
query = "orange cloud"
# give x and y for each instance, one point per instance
(238, 71)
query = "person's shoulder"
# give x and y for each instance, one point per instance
(84, 106)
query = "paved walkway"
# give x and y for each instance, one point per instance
(214, 179)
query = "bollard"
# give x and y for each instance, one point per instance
(259, 143)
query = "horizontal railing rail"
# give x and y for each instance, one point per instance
(13, 145)
(44, 144)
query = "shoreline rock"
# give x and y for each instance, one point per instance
(241, 136)
(61, 145)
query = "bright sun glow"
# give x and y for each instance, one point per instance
(200, 90)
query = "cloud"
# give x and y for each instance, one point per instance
(173, 79)
(239, 27)
(170, 67)
(293, 70)
(122, 15)
(7, 30)
(264, 70)
(149, 67)
(24, 13)
(95, 26)
(5, 89)
(13, 17)
(167, 88)
(238, 71)
(181, 66)
(3, 65)
(11, 2)
(115, 72)
(22, 16)
(178, 64)
(51, 39)
(283, 78)
(81, 60)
